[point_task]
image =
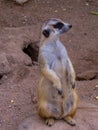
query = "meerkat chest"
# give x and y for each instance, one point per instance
(60, 52)
(60, 62)
(56, 56)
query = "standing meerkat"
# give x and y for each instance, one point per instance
(57, 97)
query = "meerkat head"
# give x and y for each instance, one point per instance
(54, 27)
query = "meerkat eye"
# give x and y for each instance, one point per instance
(58, 25)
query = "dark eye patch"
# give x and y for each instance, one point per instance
(58, 25)
(46, 32)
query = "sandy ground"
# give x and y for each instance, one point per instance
(19, 77)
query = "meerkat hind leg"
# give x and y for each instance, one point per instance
(50, 121)
(70, 120)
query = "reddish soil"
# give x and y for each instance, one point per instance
(20, 27)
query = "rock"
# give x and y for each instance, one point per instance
(12, 44)
(96, 86)
(21, 1)
(4, 64)
(87, 75)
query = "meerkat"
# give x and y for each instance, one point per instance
(57, 97)
(20, 1)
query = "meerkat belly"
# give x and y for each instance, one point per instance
(49, 94)
(48, 91)
(68, 103)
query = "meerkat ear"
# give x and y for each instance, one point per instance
(46, 32)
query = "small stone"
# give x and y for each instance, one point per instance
(64, 9)
(12, 101)
(21, 1)
(87, 4)
(56, 11)
(87, 75)
(97, 98)
(9, 106)
(96, 86)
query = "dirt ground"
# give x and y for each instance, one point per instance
(19, 27)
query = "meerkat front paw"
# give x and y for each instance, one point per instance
(58, 87)
(59, 91)
(73, 85)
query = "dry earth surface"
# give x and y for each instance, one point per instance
(19, 42)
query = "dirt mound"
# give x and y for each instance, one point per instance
(16, 45)
(80, 41)
(86, 118)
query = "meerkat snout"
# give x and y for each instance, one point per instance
(65, 28)
(70, 26)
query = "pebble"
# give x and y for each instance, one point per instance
(96, 86)
(12, 101)
(97, 98)
(56, 11)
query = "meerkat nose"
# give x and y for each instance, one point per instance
(70, 26)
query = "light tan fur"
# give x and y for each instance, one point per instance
(57, 99)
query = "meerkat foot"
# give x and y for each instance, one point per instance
(70, 121)
(50, 121)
